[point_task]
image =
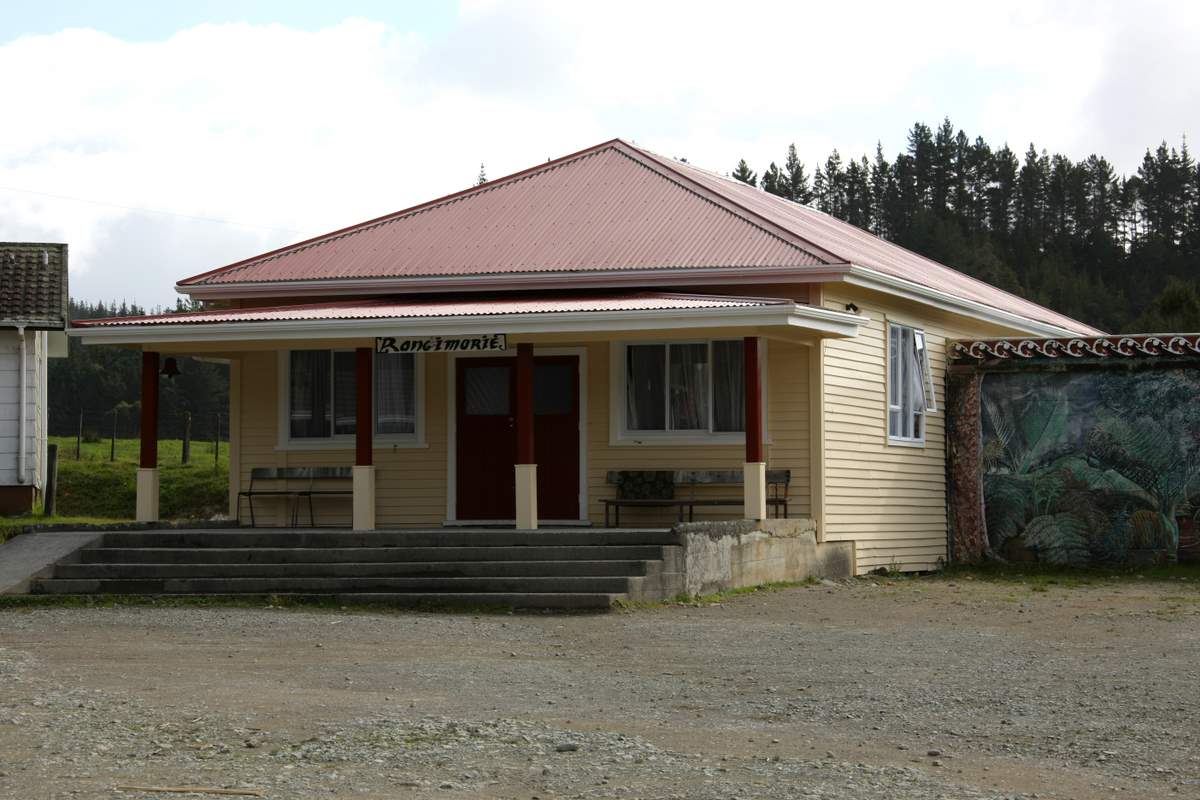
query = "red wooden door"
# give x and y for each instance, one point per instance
(486, 437)
(556, 435)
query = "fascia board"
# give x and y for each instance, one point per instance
(517, 281)
(898, 287)
(782, 314)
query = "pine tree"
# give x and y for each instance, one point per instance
(797, 181)
(481, 178)
(941, 169)
(857, 210)
(1002, 194)
(831, 197)
(921, 150)
(978, 176)
(1031, 198)
(774, 181)
(744, 174)
(883, 194)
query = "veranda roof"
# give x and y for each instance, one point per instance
(650, 311)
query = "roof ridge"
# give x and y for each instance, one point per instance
(767, 226)
(670, 163)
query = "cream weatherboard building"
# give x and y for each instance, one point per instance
(496, 356)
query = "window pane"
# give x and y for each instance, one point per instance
(689, 387)
(894, 366)
(486, 390)
(553, 389)
(395, 393)
(345, 390)
(729, 387)
(907, 382)
(308, 394)
(645, 387)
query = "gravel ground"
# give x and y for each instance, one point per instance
(870, 689)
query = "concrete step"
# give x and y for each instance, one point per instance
(361, 555)
(440, 537)
(337, 586)
(351, 569)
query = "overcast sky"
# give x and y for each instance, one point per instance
(256, 124)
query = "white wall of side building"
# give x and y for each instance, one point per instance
(34, 411)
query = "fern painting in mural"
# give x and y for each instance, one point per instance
(1091, 467)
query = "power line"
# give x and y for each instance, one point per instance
(150, 210)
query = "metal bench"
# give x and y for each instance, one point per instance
(658, 489)
(278, 479)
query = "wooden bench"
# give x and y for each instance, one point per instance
(659, 489)
(278, 479)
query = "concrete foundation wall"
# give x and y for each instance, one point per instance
(718, 556)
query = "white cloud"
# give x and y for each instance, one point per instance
(309, 131)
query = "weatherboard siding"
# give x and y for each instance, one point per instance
(787, 427)
(11, 411)
(411, 482)
(890, 499)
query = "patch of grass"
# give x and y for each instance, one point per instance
(109, 489)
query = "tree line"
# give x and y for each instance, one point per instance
(96, 388)
(1119, 252)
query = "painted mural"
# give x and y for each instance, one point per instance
(1092, 467)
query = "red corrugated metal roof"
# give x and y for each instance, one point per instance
(410, 309)
(600, 210)
(612, 207)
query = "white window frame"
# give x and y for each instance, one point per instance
(620, 434)
(895, 404)
(346, 441)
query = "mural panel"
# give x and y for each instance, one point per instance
(1092, 467)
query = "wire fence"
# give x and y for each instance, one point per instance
(106, 433)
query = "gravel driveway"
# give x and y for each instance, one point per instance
(871, 689)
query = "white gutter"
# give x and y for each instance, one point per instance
(593, 279)
(822, 320)
(21, 382)
(898, 287)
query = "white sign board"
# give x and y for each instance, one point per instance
(442, 344)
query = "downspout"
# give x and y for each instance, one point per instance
(21, 408)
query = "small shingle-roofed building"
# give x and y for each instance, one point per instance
(33, 314)
(507, 353)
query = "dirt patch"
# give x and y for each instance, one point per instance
(871, 689)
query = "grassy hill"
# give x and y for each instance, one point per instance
(94, 486)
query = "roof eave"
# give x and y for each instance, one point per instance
(821, 321)
(517, 281)
(871, 279)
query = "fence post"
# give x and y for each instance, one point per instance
(79, 438)
(217, 440)
(112, 451)
(187, 436)
(51, 489)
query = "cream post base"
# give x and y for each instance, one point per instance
(526, 496)
(364, 497)
(755, 483)
(147, 494)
